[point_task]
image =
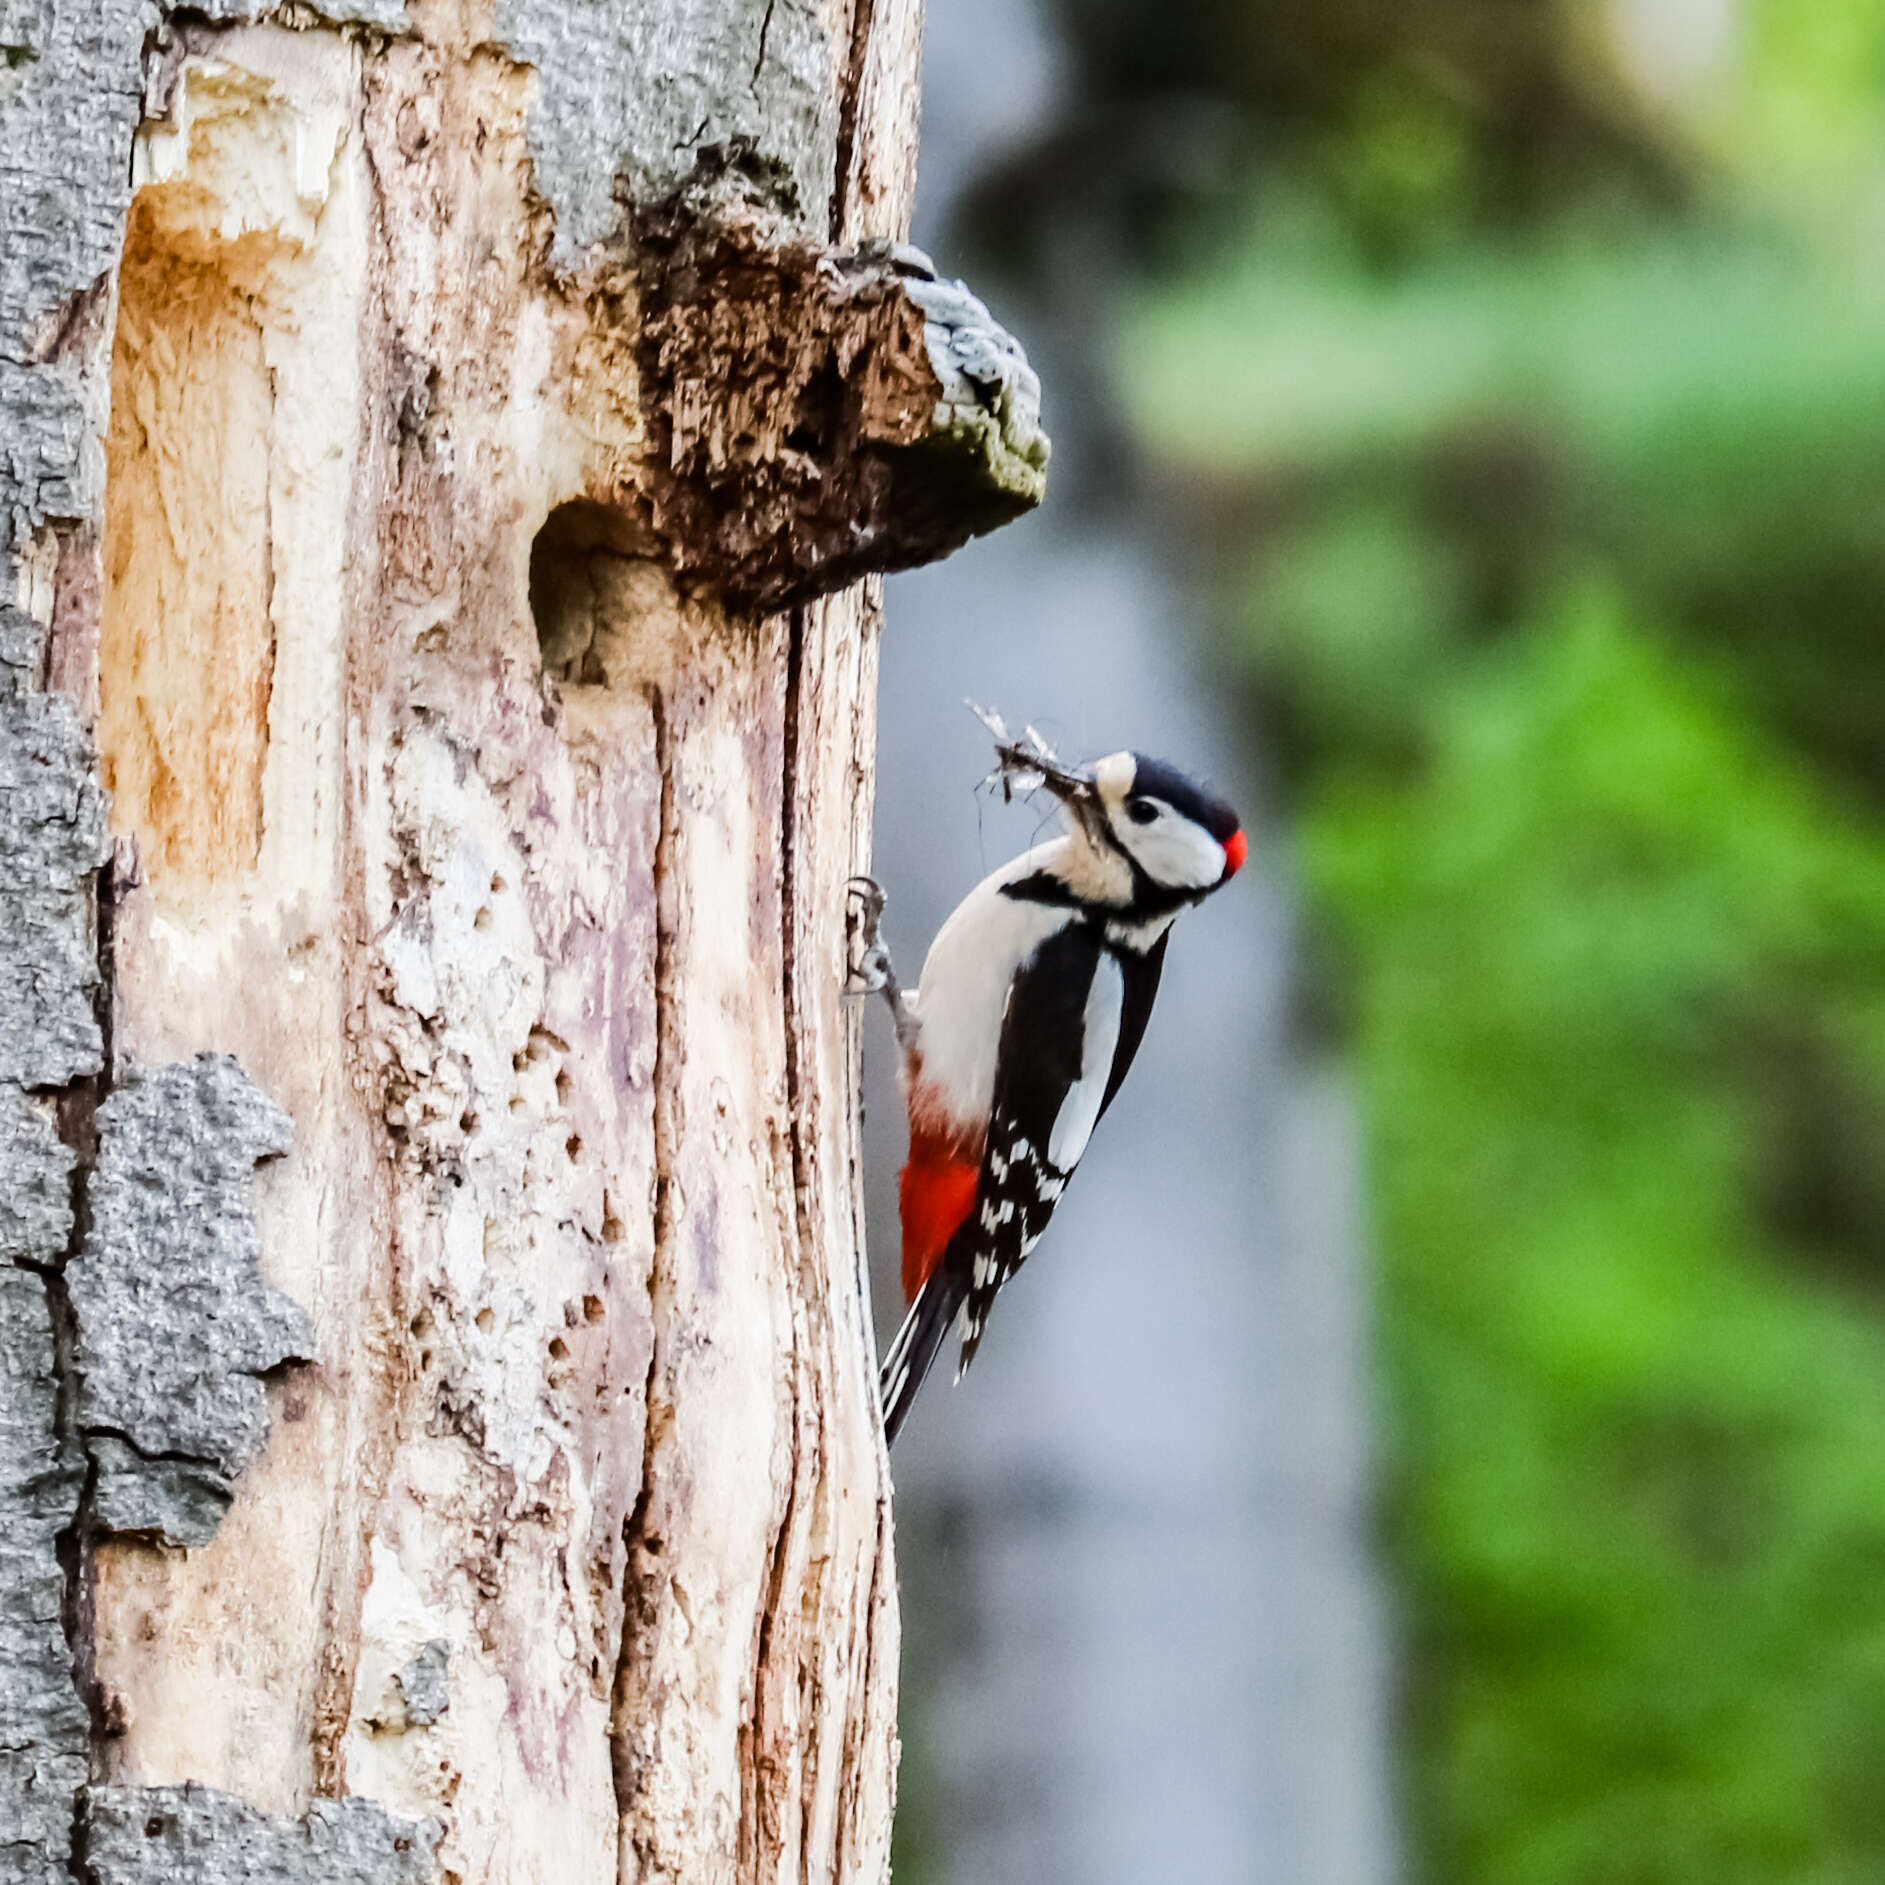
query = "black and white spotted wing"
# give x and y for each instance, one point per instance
(1074, 1020)
(1075, 1017)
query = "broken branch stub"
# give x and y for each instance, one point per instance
(816, 415)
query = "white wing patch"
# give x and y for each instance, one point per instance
(1080, 1110)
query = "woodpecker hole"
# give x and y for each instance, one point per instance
(583, 569)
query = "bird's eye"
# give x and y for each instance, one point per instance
(1141, 811)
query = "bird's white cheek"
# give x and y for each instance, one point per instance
(1181, 854)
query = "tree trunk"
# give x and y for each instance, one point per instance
(444, 448)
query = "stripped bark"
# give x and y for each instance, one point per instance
(432, 495)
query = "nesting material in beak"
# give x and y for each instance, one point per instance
(1027, 763)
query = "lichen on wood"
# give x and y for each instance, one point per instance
(987, 424)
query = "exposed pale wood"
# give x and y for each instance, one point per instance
(573, 1540)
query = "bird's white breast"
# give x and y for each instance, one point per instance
(966, 978)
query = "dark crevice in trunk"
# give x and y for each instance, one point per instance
(759, 58)
(850, 85)
(857, 1721)
(753, 1812)
(788, 926)
(643, 1573)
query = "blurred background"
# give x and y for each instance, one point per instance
(1442, 1438)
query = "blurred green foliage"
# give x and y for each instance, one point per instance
(1637, 1455)
(1548, 499)
(1700, 411)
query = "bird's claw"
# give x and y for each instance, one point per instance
(869, 895)
(868, 971)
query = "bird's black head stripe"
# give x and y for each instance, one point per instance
(1041, 887)
(1158, 780)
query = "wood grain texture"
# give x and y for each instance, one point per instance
(510, 869)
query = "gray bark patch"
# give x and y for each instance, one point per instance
(636, 92)
(67, 113)
(36, 1203)
(176, 1326)
(197, 1836)
(22, 645)
(25, 26)
(52, 837)
(43, 1725)
(424, 1684)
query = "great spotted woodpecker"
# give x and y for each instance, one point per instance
(1033, 1001)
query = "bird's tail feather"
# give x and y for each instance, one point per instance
(918, 1343)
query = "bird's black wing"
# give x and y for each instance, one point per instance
(1046, 1061)
(1141, 974)
(1058, 1042)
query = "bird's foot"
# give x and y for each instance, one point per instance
(868, 970)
